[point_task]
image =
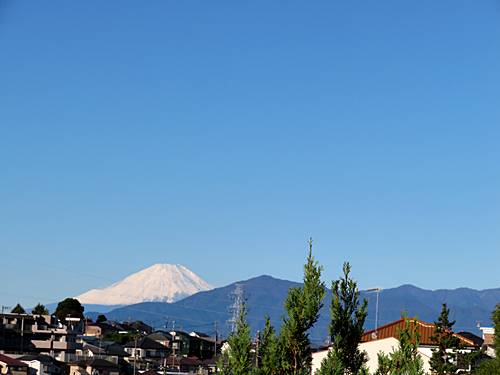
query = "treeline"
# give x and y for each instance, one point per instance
(289, 352)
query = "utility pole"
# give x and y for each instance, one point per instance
(22, 334)
(135, 352)
(174, 344)
(215, 346)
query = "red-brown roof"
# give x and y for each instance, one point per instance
(9, 361)
(190, 361)
(425, 330)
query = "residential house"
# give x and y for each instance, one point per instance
(107, 350)
(488, 341)
(137, 326)
(203, 346)
(58, 340)
(180, 343)
(41, 364)
(191, 365)
(16, 333)
(194, 344)
(45, 334)
(12, 366)
(145, 353)
(94, 366)
(161, 337)
(386, 340)
(99, 330)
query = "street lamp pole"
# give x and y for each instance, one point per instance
(376, 290)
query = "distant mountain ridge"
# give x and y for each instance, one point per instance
(265, 296)
(158, 283)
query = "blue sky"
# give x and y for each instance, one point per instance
(222, 134)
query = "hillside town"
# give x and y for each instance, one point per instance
(43, 344)
(67, 342)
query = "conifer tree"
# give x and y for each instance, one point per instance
(302, 306)
(384, 364)
(240, 344)
(496, 323)
(268, 350)
(40, 309)
(444, 356)
(331, 365)
(406, 360)
(346, 327)
(18, 309)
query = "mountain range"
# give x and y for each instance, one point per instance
(265, 295)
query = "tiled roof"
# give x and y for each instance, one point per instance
(98, 362)
(478, 341)
(146, 343)
(9, 361)
(190, 361)
(160, 336)
(425, 330)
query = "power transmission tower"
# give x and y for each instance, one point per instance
(235, 308)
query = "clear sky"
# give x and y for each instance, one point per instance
(222, 134)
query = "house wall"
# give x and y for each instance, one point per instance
(93, 331)
(13, 370)
(372, 348)
(35, 367)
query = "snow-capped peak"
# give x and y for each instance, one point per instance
(158, 283)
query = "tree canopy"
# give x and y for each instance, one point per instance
(443, 359)
(268, 350)
(101, 318)
(346, 327)
(69, 307)
(40, 309)
(302, 305)
(18, 309)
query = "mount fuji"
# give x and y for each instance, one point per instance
(158, 283)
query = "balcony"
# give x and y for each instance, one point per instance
(55, 345)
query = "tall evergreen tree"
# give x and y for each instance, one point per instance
(444, 356)
(406, 360)
(268, 350)
(18, 309)
(496, 323)
(240, 344)
(40, 309)
(302, 305)
(346, 327)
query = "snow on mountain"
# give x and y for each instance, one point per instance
(158, 283)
